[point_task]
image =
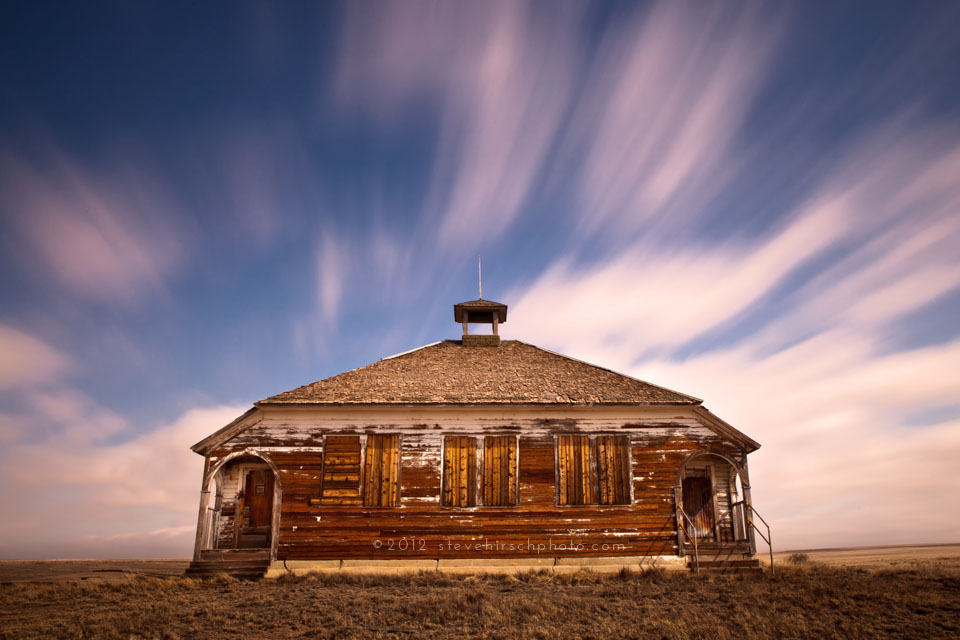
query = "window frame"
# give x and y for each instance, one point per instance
(594, 470)
(472, 496)
(516, 474)
(396, 467)
(361, 498)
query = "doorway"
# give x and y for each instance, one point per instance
(698, 505)
(256, 513)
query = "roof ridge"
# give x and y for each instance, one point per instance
(402, 353)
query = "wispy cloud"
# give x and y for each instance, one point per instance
(89, 493)
(331, 268)
(667, 96)
(501, 79)
(650, 298)
(263, 178)
(814, 376)
(109, 235)
(842, 463)
(28, 360)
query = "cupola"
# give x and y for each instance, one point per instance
(480, 311)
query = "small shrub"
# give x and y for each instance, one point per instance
(798, 558)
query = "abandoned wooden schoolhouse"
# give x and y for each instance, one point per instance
(475, 454)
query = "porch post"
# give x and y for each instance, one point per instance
(748, 503)
(202, 522)
(678, 516)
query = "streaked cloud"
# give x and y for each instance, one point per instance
(808, 369)
(501, 78)
(674, 296)
(95, 499)
(331, 267)
(841, 463)
(667, 96)
(108, 235)
(755, 203)
(28, 360)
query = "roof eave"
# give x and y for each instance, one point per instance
(222, 435)
(727, 429)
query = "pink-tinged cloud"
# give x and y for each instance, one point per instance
(331, 272)
(667, 96)
(501, 79)
(71, 495)
(847, 457)
(108, 235)
(265, 179)
(843, 461)
(26, 360)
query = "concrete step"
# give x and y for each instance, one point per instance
(228, 565)
(729, 571)
(726, 563)
(726, 566)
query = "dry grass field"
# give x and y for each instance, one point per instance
(804, 600)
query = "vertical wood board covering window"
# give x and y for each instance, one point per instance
(613, 469)
(459, 471)
(341, 471)
(380, 471)
(500, 471)
(575, 459)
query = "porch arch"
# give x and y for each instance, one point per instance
(722, 505)
(208, 520)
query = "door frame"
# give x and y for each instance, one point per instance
(245, 469)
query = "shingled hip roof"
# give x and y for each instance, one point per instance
(448, 373)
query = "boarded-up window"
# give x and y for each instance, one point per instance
(380, 470)
(341, 471)
(613, 469)
(593, 470)
(575, 459)
(500, 471)
(459, 471)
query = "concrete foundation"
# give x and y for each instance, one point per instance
(609, 564)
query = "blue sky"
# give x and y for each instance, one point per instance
(201, 206)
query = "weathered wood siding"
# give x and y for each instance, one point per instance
(659, 442)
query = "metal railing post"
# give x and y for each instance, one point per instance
(696, 548)
(766, 538)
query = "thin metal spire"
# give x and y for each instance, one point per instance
(479, 278)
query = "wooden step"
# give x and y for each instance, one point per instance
(252, 573)
(239, 563)
(230, 555)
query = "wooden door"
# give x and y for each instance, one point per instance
(258, 499)
(698, 505)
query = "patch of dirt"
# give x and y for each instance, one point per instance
(82, 570)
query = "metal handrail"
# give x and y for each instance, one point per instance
(766, 538)
(749, 523)
(696, 550)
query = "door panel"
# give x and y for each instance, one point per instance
(698, 505)
(258, 498)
